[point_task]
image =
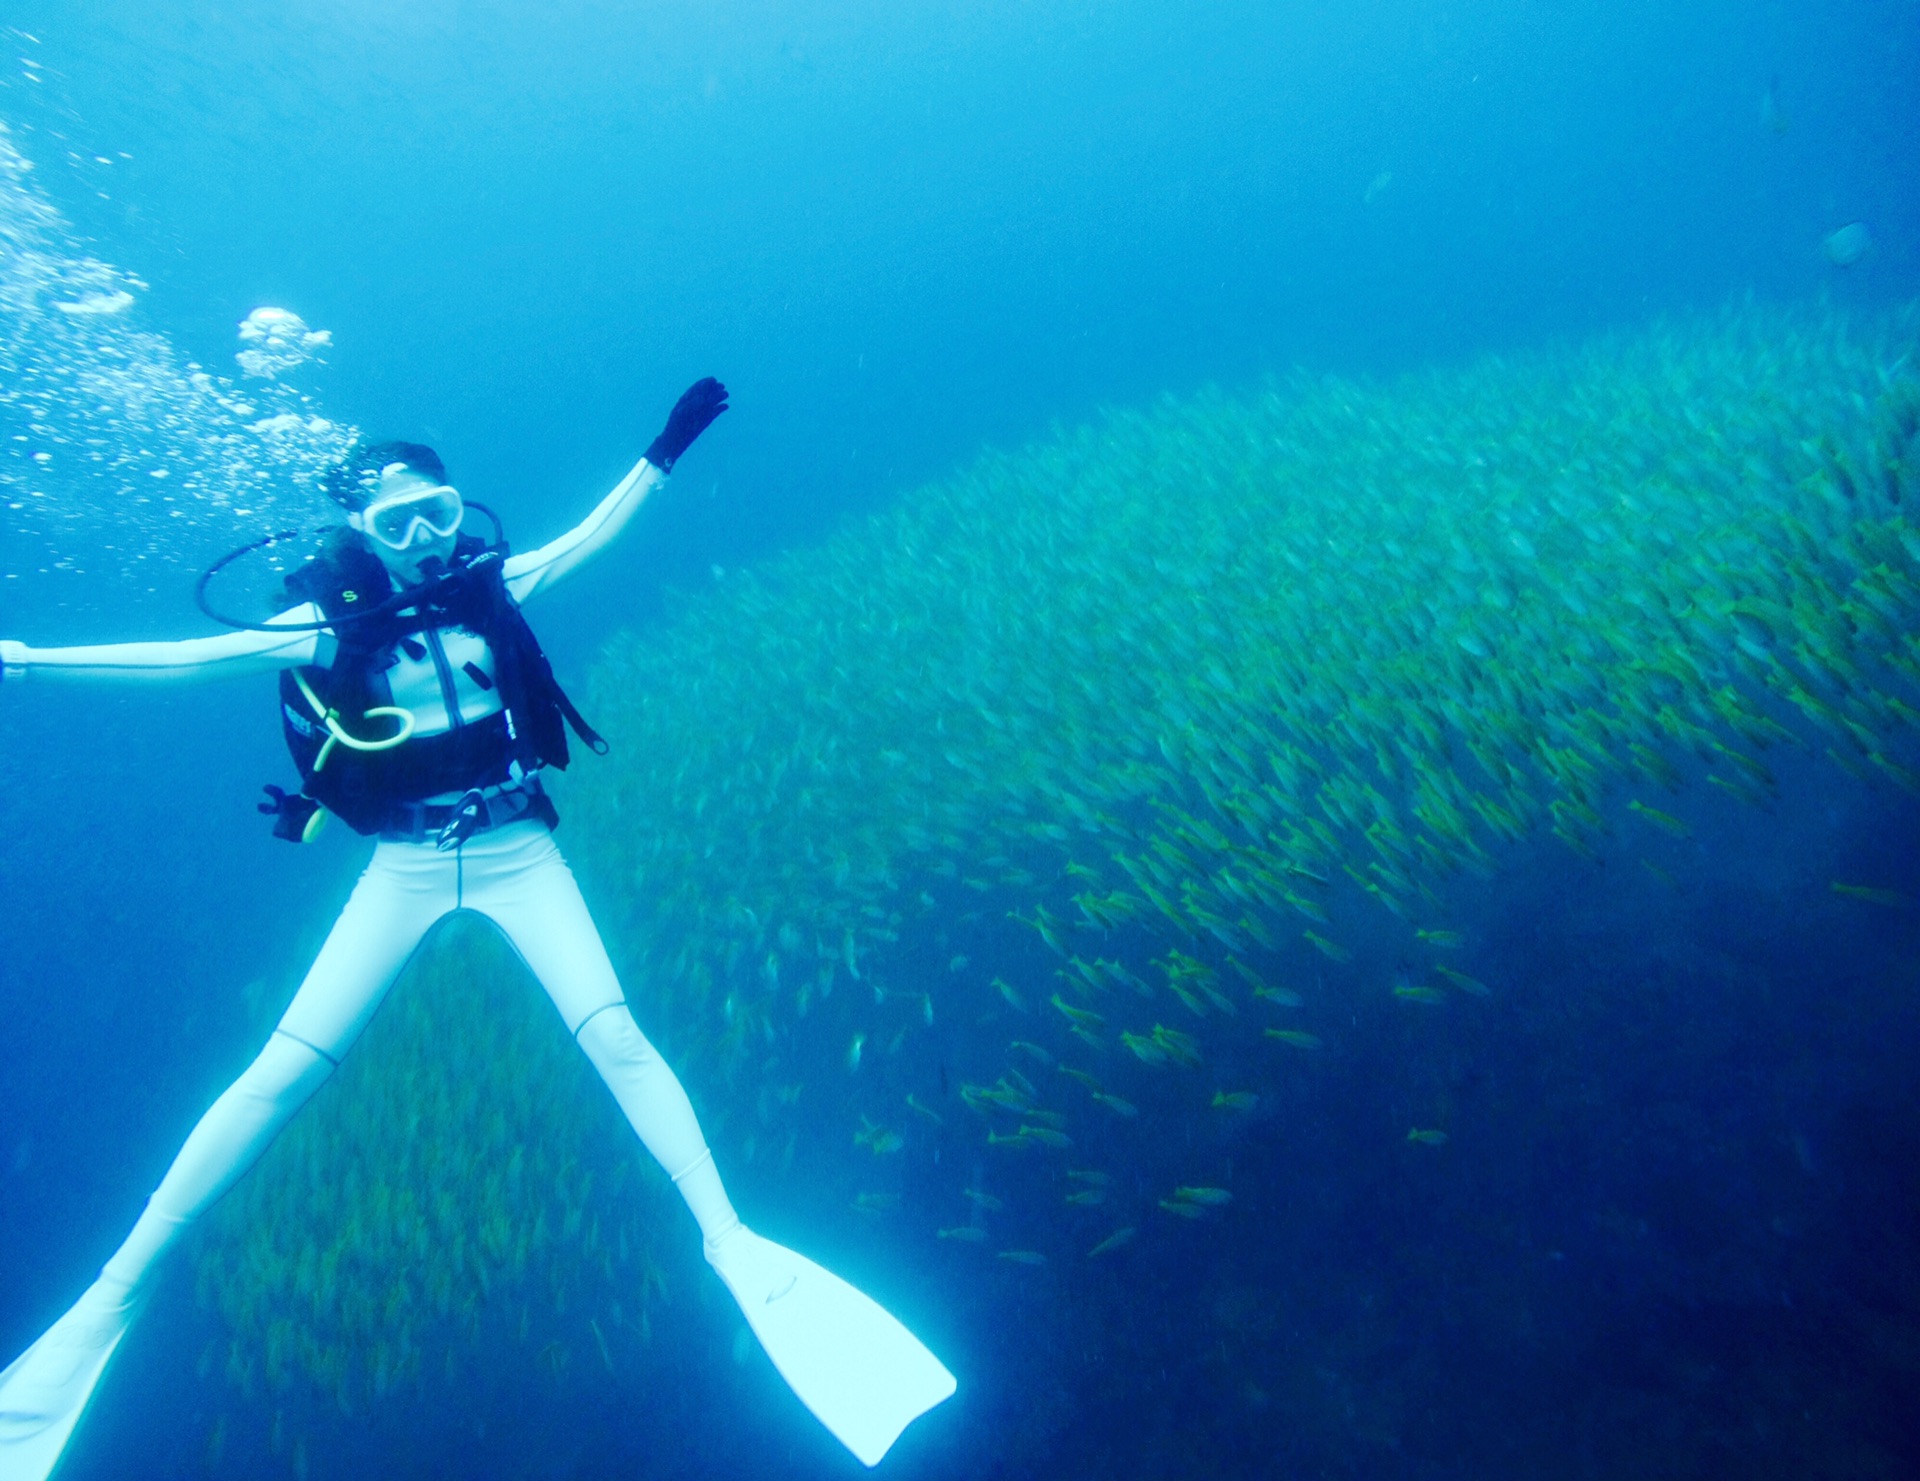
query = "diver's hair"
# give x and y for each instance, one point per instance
(351, 481)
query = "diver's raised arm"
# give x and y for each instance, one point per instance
(535, 570)
(691, 415)
(227, 655)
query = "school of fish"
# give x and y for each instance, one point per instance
(1023, 842)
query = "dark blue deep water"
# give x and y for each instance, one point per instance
(1675, 1226)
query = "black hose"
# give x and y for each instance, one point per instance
(398, 602)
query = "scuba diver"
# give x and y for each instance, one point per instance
(420, 709)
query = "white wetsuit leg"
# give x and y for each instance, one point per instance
(863, 1373)
(517, 878)
(393, 906)
(44, 1391)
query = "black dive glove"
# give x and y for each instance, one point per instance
(691, 415)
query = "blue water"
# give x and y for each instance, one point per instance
(1681, 1237)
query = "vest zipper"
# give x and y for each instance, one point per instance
(445, 671)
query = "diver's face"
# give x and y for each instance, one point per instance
(410, 522)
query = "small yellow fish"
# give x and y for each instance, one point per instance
(1023, 1257)
(1032, 1051)
(1296, 1037)
(876, 1203)
(1891, 899)
(1018, 1139)
(985, 1200)
(1083, 970)
(1333, 950)
(1666, 822)
(1234, 1100)
(1427, 1138)
(1181, 1048)
(1144, 1048)
(985, 1098)
(1119, 1239)
(1414, 994)
(1087, 1196)
(1210, 1197)
(932, 1115)
(853, 1051)
(1311, 909)
(1448, 939)
(1183, 1209)
(1118, 1106)
(1090, 1081)
(1078, 1017)
(1045, 924)
(1285, 997)
(1046, 1136)
(1465, 983)
(965, 1234)
(1007, 990)
(879, 1138)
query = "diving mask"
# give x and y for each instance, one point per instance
(396, 523)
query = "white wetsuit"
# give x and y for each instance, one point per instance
(511, 874)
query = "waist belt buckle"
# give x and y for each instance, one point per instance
(406, 823)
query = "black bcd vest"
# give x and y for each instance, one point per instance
(364, 787)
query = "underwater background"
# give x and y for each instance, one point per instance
(1268, 777)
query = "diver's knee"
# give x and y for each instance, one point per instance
(610, 1036)
(288, 1064)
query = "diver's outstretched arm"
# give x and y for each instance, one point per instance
(691, 415)
(227, 655)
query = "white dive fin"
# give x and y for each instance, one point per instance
(44, 1390)
(863, 1375)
